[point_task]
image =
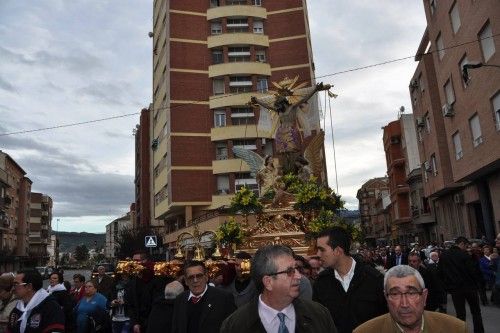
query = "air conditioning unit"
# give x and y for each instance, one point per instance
(427, 166)
(420, 122)
(458, 198)
(448, 110)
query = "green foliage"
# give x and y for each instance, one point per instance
(310, 196)
(81, 253)
(328, 219)
(229, 232)
(245, 202)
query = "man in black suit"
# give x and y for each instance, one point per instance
(202, 308)
(398, 258)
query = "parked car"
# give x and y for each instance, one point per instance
(110, 269)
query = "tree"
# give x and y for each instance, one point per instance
(130, 241)
(81, 253)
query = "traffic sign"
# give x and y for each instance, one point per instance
(150, 241)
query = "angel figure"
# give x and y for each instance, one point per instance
(287, 106)
(262, 169)
(311, 164)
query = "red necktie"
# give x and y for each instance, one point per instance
(195, 299)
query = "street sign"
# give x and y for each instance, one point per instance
(150, 241)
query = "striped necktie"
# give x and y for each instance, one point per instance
(282, 328)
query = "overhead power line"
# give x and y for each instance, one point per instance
(354, 69)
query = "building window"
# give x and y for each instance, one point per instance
(245, 179)
(218, 86)
(463, 62)
(458, 146)
(432, 6)
(258, 27)
(440, 46)
(257, 2)
(220, 118)
(455, 18)
(262, 84)
(475, 129)
(214, 3)
(216, 28)
(236, 2)
(487, 42)
(240, 84)
(237, 25)
(434, 165)
(217, 57)
(242, 116)
(450, 94)
(260, 56)
(221, 151)
(222, 184)
(245, 144)
(238, 54)
(427, 123)
(496, 110)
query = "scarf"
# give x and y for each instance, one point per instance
(37, 298)
(57, 287)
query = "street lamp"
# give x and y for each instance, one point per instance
(466, 67)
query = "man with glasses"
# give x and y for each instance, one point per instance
(405, 292)
(278, 308)
(36, 311)
(202, 308)
(351, 290)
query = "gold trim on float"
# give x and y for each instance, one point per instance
(287, 38)
(185, 12)
(182, 101)
(192, 41)
(190, 134)
(192, 71)
(276, 69)
(285, 11)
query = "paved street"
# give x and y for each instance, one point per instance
(491, 316)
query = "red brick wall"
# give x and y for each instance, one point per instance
(192, 185)
(191, 151)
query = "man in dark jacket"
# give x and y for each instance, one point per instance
(460, 277)
(278, 307)
(104, 283)
(161, 315)
(351, 291)
(242, 288)
(36, 311)
(398, 257)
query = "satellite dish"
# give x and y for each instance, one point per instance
(150, 34)
(402, 109)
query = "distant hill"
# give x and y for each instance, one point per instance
(68, 241)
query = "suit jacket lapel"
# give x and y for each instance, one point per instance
(206, 303)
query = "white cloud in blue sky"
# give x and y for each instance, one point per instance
(71, 61)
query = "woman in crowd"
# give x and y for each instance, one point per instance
(61, 294)
(7, 299)
(91, 310)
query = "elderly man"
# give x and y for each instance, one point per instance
(406, 295)
(36, 310)
(349, 289)
(202, 308)
(160, 317)
(278, 308)
(398, 258)
(104, 283)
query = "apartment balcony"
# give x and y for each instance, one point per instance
(45, 199)
(3, 176)
(45, 213)
(233, 68)
(239, 38)
(6, 201)
(236, 10)
(236, 132)
(229, 165)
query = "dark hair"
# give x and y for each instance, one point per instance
(301, 259)
(263, 263)
(243, 255)
(79, 277)
(194, 263)
(60, 277)
(337, 237)
(461, 239)
(33, 277)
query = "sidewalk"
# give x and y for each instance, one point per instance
(490, 314)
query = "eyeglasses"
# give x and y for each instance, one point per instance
(198, 277)
(15, 284)
(290, 271)
(412, 295)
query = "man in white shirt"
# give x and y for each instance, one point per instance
(278, 309)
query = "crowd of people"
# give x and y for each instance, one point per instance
(382, 289)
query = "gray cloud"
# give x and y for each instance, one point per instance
(107, 93)
(7, 86)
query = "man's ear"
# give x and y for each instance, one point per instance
(267, 281)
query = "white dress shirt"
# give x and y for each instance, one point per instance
(200, 295)
(346, 280)
(269, 317)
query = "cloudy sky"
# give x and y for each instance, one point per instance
(63, 62)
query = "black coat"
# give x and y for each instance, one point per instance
(67, 303)
(311, 317)
(160, 317)
(458, 270)
(216, 304)
(391, 260)
(45, 317)
(363, 300)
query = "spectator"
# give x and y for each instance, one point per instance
(141, 293)
(36, 310)
(278, 308)
(201, 308)
(78, 287)
(441, 296)
(91, 311)
(398, 258)
(434, 288)
(461, 277)
(242, 288)
(104, 283)
(160, 318)
(351, 291)
(58, 291)
(120, 316)
(486, 270)
(495, 265)
(7, 299)
(405, 294)
(315, 267)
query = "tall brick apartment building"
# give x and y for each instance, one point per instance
(209, 58)
(40, 227)
(458, 121)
